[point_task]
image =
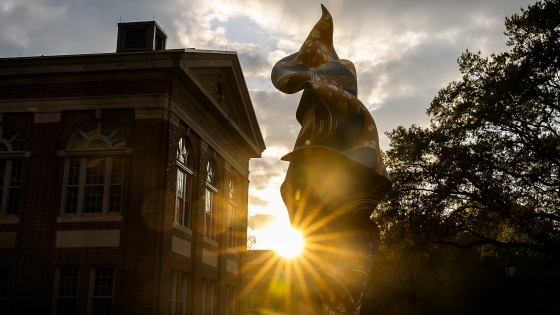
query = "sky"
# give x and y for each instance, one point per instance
(405, 51)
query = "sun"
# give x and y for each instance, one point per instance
(288, 242)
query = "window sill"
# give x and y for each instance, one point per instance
(182, 228)
(232, 251)
(12, 220)
(209, 241)
(99, 218)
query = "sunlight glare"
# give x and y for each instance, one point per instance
(288, 242)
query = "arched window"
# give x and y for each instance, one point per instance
(12, 152)
(209, 209)
(94, 171)
(211, 173)
(232, 211)
(184, 183)
(232, 189)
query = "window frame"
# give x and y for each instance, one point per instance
(231, 239)
(56, 290)
(7, 186)
(84, 156)
(203, 296)
(185, 173)
(210, 201)
(9, 157)
(208, 296)
(231, 300)
(184, 292)
(91, 296)
(82, 186)
(173, 298)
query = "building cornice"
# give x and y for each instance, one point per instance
(181, 62)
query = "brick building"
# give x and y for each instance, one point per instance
(124, 179)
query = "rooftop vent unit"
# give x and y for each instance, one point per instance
(140, 36)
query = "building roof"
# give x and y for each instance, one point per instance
(186, 63)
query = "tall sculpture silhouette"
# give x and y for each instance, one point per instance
(336, 175)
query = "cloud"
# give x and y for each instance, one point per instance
(265, 170)
(276, 114)
(403, 87)
(261, 221)
(404, 51)
(253, 59)
(254, 200)
(266, 176)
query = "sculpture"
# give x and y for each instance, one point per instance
(336, 175)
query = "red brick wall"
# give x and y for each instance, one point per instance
(84, 88)
(144, 261)
(210, 81)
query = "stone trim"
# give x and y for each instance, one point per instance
(232, 266)
(48, 117)
(99, 218)
(209, 241)
(180, 246)
(182, 228)
(9, 220)
(56, 105)
(209, 258)
(151, 113)
(88, 238)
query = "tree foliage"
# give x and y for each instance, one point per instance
(487, 168)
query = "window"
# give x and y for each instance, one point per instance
(94, 171)
(204, 297)
(184, 291)
(251, 299)
(231, 296)
(4, 273)
(101, 291)
(175, 294)
(207, 302)
(66, 290)
(184, 183)
(12, 152)
(173, 298)
(232, 205)
(209, 209)
(231, 227)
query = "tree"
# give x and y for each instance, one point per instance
(487, 168)
(483, 177)
(251, 240)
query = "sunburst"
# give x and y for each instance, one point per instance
(289, 243)
(299, 249)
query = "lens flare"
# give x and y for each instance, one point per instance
(288, 243)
